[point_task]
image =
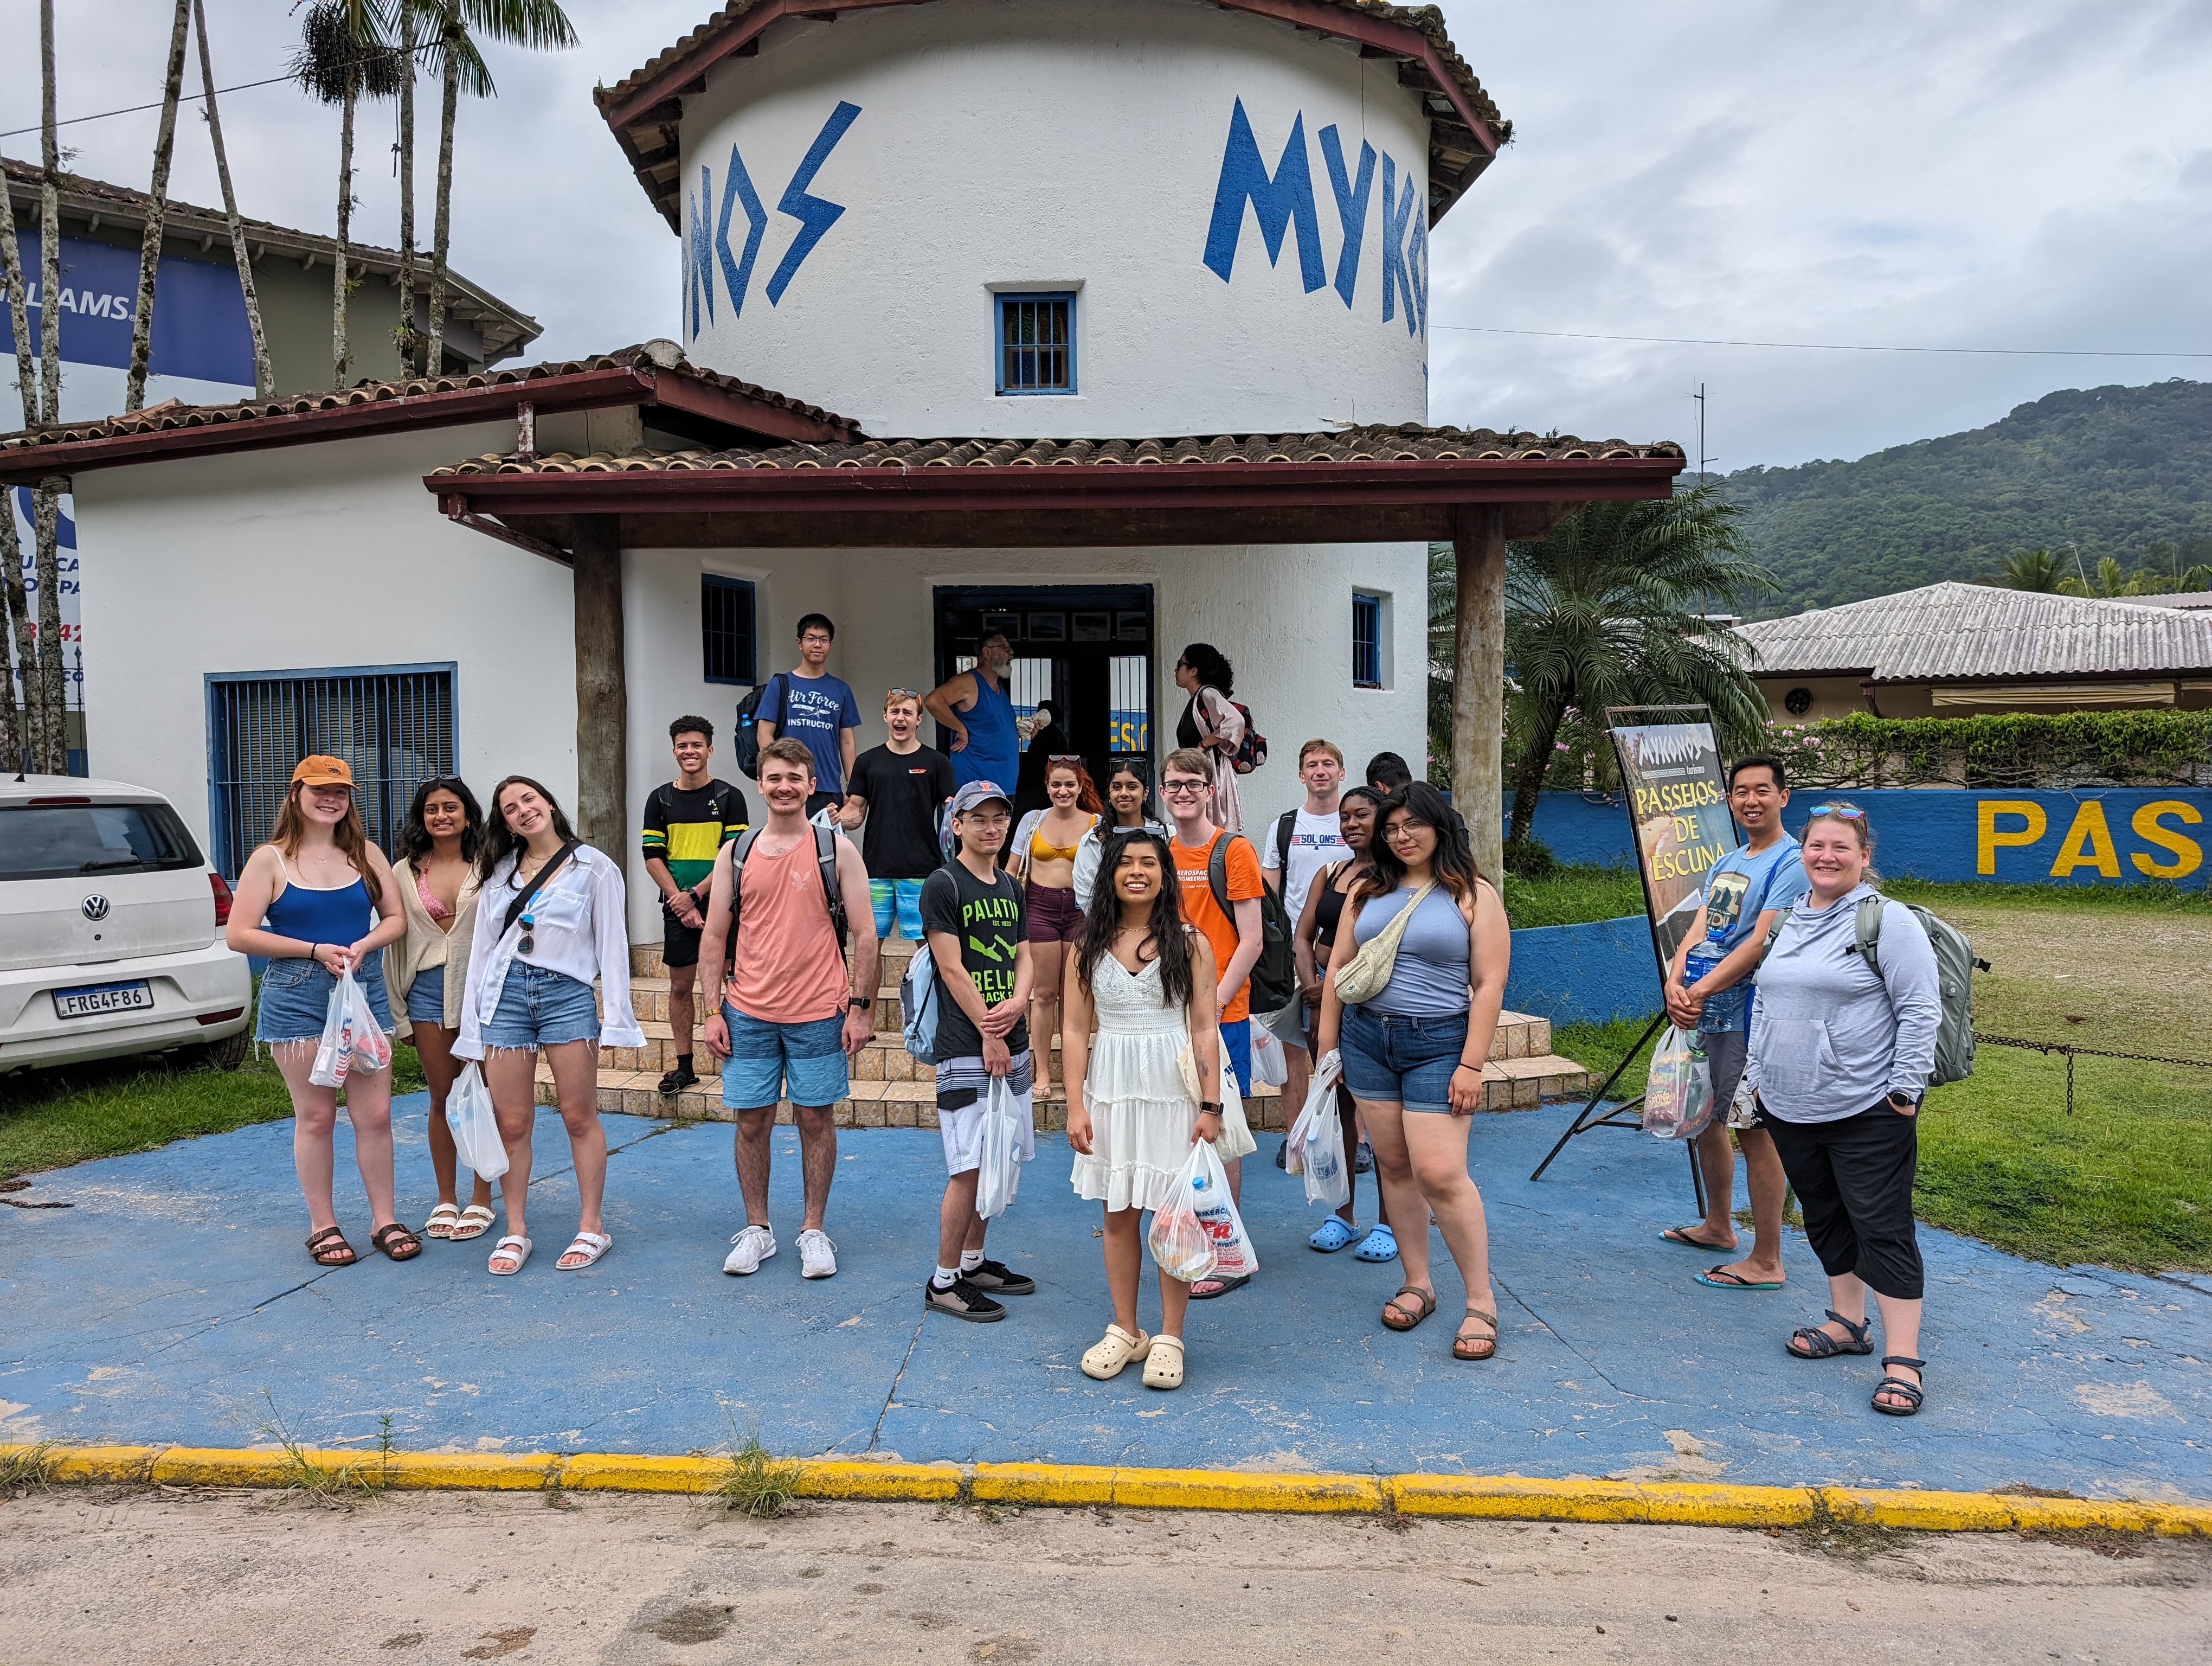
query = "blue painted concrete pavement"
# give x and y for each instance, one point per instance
(173, 1303)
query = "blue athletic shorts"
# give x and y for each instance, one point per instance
(296, 998)
(540, 1007)
(902, 897)
(766, 1059)
(426, 996)
(1236, 1045)
(1408, 1059)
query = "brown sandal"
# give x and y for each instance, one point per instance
(410, 1246)
(1477, 1347)
(329, 1248)
(1426, 1305)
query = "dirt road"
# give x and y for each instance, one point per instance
(115, 1576)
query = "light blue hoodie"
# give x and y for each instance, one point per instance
(1829, 1035)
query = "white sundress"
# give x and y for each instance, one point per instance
(1142, 1116)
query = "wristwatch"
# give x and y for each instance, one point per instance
(1902, 1102)
(1209, 1107)
(861, 1003)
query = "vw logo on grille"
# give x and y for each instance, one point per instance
(94, 907)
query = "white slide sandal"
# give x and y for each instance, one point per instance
(475, 1222)
(510, 1248)
(590, 1245)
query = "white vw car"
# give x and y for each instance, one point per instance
(111, 930)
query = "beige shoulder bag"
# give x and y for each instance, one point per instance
(1363, 977)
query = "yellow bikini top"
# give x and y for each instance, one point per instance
(1041, 852)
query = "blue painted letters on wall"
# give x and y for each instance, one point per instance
(707, 246)
(1350, 205)
(1277, 202)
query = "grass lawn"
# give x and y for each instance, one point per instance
(2127, 1179)
(1572, 896)
(52, 1118)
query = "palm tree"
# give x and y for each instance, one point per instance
(49, 707)
(1607, 610)
(149, 241)
(2028, 569)
(19, 642)
(344, 57)
(404, 334)
(2112, 580)
(538, 26)
(264, 379)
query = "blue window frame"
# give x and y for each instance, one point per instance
(1035, 339)
(1366, 641)
(726, 628)
(393, 725)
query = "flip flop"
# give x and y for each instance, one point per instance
(1681, 1235)
(1719, 1277)
(1379, 1245)
(1221, 1286)
(1332, 1235)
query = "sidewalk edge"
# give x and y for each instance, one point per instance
(1078, 1486)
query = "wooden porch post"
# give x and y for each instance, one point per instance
(1478, 681)
(602, 702)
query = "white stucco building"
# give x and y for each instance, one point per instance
(1105, 323)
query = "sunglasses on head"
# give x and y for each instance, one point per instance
(1849, 812)
(890, 694)
(1064, 757)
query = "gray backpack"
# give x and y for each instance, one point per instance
(1955, 965)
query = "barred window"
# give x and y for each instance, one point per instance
(726, 628)
(1036, 343)
(1366, 641)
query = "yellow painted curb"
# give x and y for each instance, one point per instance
(1689, 1503)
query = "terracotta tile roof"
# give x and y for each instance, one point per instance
(1406, 443)
(1941, 632)
(661, 357)
(1432, 67)
(505, 329)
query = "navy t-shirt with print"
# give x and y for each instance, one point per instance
(817, 710)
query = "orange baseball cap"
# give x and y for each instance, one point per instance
(320, 771)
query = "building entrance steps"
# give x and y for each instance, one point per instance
(890, 1089)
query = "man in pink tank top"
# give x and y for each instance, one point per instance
(788, 1016)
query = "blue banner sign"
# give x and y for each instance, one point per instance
(199, 315)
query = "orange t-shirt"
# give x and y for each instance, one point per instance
(1203, 912)
(789, 968)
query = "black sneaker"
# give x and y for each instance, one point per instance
(677, 1080)
(1283, 1154)
(962, 1301)
(1001, 1279)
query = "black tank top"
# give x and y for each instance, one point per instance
(1329, 907)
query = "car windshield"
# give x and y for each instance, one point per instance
(57, 841)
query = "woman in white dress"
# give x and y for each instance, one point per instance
(1145, 982)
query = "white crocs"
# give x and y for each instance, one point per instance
(1164, 1364)
(1114, 1350)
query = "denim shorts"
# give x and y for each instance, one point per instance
(765, 1057)
(540, 1007)
(1408, 1059)
(426, 997)
(900, 899)
(296, 998)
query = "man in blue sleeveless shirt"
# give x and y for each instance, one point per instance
(1709, 989)
(974, 710)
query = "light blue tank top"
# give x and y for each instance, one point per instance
(993, 751)
(1429, 978)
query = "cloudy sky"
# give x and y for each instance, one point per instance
(1891, 175)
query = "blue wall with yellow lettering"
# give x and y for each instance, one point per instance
(2091, 835)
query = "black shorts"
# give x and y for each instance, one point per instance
(679, 943)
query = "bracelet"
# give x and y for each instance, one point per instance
(1464, 1065)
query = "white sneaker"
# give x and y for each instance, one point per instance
(818, 1257)
(754, 1245)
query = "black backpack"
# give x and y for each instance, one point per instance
(748, 736)
(825, 860)
(1274, 975)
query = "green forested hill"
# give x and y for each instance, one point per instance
(2122, 472)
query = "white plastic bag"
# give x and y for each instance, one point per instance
(476, 1130)
(1269, 1062)
(352, 1038)
(1316, 1141)
(1678, 1098)
(999, 1176)
(1234, 1257)
(1179, 1239)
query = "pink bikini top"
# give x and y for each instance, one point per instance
(438, 911)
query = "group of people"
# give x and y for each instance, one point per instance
(1127, 931)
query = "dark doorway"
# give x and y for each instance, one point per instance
(1088, 648)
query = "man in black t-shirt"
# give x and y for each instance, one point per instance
(899, 788)
(687, 821)
(972, 912)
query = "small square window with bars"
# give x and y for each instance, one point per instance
(1366, 641)
(1036, 343)
(726, 629)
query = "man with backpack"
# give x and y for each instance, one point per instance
(808, 704)
(687, 823)
(972, 912)
(1301, 842)
(1709, 989)
(1230, 917)
(789, 1017)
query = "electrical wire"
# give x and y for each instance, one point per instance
(1829, 346)
(135, 109)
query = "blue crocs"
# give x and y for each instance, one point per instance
(1381, 1245)
(1333, 1234)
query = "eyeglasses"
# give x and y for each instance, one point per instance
(1183, 789)
(1849, 812)
(1402, 830)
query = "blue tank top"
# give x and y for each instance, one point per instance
(1429, 979)
(993, 751)
(340, 916)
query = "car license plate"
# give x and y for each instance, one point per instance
(99, 998)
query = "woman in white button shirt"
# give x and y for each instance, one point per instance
(550, 919)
